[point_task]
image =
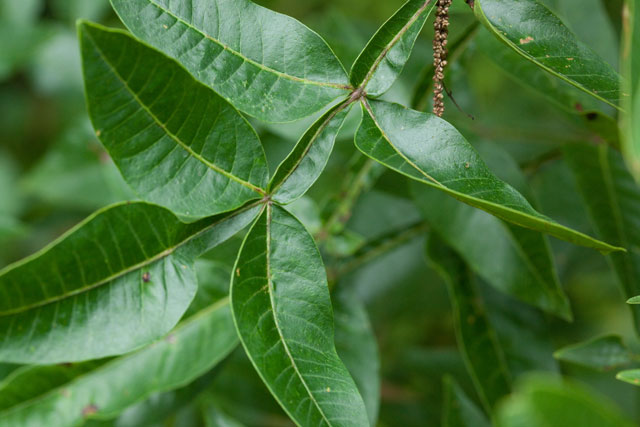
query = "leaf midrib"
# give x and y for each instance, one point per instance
(275, 317)
(549, 223)
(531, 58)
(119, 360)
(392, 43)
(167, 131)
(165, 253)
(246, 59)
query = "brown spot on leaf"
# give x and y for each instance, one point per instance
(98, 133)
(579, 107)
(592, 116)
(238, 272)
(89, 410)
(569, 59)
(467, 165)
(146, 277)
(526, 40)
(165, 26)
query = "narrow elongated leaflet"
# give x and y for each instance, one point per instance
(602, 353)
(430, 150)
(459, 410)
(282, 310)
(174, 140)
(613, 203)
(297, 173)
(631, 376)
(514, 260)
(117, 281)
(534, 32)
(384, 57)
(630, 120)
(65, 396)
(477, 340)
(266, 64)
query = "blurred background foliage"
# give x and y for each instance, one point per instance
(53, 173)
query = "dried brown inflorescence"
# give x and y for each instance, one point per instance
(441, 27)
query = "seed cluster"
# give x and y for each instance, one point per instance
(441, 27)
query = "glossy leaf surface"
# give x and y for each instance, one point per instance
(602, 353)
(514, 260)
(105, 389)
(357, 347)
(477, 340)
(281, 306)
(175, 141)
(384, 57)
(115, 282)
(266, 64)
(613, 203)
(302, 167)
(428, 149)
(534, 32)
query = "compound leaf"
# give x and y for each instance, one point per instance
(281, 306)
(117, 281)
(175, 141)
(384, 57)
(428, 149)
(534, 32)
(266, 64)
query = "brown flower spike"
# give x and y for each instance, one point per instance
(441, 27)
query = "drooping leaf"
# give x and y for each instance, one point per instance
(541, 401)
(428, 149)
(613, 203)
(477, 340)
(602, 353)
(515, 260)
(357, 347)
(382, 60)
(175, 141)
(534, 32)
(458, 410)
(117, 281)
(630, 120)
(281, 306)
(266, 64)
(302, 167)
(105, 389)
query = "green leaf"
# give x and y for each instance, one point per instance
(630, 120)
(542, 401)
(176, 142)
(105, 389)
(428, 149)
(382, 60)
(534, 32)
(514, 260)
(281, 306)
(613, 203)
(358, 348)
(634, 300)
(631, 376)
(266, 64)
(117, 281)
(458, 410)
(477, 340)
(602, 353)
(302, 167)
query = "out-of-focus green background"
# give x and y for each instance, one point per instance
(53, 173)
